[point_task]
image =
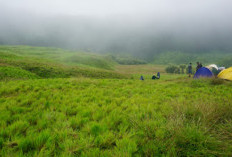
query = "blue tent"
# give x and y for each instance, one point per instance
(203, 72)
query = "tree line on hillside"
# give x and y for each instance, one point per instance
(176, 58)
(181, 69)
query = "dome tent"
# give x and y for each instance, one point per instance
(226, 74)
(203, 72)
(214, 69)
(212, 66)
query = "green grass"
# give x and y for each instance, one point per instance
(7, 73)
(52, 108)
(108, 117)
(126, 59)
(44, 63)
(56, 55)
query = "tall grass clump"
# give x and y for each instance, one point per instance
(217, 81)
(7, 73)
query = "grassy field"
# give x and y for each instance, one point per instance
(119, 115)
(140, 69)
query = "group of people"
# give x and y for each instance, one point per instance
(190, 72)
(153, 77)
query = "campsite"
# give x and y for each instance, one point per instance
(115, 78)
(49, 108)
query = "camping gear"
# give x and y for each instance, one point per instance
(221, 68)
(203, 72)
(226, 74)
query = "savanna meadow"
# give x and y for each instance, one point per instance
(55, 102)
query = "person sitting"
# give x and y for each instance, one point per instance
(141, 78)
(156, 77)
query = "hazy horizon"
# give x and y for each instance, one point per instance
(141, 28)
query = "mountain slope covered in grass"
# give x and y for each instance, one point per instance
(57, 55)
(51, 106)
(56, 63)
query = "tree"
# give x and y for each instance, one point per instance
(172, 69)
(182, 67)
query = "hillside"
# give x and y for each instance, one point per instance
(51, 106)
(44, 62)
(57, 55)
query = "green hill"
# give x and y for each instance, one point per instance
(57, 55)
(81, 104)
(54, 63)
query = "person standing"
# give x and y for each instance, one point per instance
(198, 66)
(190, 69)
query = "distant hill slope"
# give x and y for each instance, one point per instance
(41, 62)
(60, 56)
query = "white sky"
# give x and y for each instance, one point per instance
(196, 22)
(110, 7)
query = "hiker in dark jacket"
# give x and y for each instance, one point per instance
(156, 77)
(190, 69)
(198, 66)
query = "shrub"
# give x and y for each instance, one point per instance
(173, 69)
(15, 73)
(182, 67)
(217, 81)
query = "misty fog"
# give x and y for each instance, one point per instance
(141, 28)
